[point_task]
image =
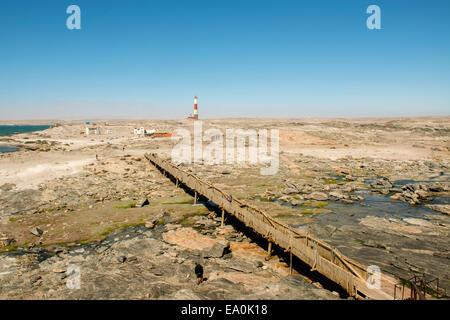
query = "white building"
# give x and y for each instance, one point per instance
(140, 131)
(92, 130)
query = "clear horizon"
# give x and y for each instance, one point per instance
(146, 60)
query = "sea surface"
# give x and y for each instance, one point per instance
(8, 130)
(8, 148)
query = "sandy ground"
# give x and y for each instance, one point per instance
(29, 174)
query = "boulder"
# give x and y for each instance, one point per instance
(295, 202)
(7, 187)
(290, 191)
(286, 199)
(5, 241)
(349, 178)
(36, 231)
(348, 188)
(150, 224)
(217, 250)
(319, 196)
(336, 195)
(142, 203)
(121, 259)
(436, 187)
(154, 221)
(423, 195)
(410, 187)
(396, 196)
(442, 208)
(382, 183)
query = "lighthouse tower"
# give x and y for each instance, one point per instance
(195, 108)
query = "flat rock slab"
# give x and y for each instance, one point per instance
(442, 208)
(189, 238)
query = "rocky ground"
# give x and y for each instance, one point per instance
(155, 263)
(377, 189)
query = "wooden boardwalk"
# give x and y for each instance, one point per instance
(349, 274)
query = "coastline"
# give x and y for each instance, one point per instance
(14, 131)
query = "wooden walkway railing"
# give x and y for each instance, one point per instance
(322, 258)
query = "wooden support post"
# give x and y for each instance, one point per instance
(176, 184)
(285, 237)
(269, 251)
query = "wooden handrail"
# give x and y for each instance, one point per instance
(350, 274)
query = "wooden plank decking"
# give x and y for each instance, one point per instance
(322, 258)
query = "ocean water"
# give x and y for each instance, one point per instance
(6, 130)
(10, 130)
(8, 148)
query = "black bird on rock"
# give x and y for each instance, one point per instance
(199, 272)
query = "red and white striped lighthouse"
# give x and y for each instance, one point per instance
(195, 108)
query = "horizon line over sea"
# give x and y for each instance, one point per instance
(9, 130)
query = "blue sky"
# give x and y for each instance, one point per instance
(290, 59)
